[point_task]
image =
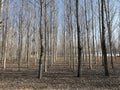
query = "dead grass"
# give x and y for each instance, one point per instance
(60, 77)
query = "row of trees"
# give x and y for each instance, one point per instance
(81, 31)
(29, 29)
(94, 25)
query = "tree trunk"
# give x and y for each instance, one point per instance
(100, 29)
(93, 51)
(4, 37)
(45, 59)
(78, 37)
(103, 40)
(109, 29)
(41, 47)
(87, 28)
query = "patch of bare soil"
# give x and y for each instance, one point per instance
(60, 77)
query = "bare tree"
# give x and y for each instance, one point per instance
(93, 51)
(100, 27)
(51, 14)
(103, 40)
(88, 31)
(107, 10)
(28, 37)
(5, 32)
(1, 27)
(119, 36)
(20, 36)
(78, 37)
(45, 56)
(41, 47)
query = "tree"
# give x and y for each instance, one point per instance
(28, 36)
(4, 33)
(41, 47)
(51, 15)
(88, 36)
(93, 42)
(103, 39)
(45, 50)
(1, 26)
(78, 37)
(20, 37)
(107, 10)
(0, 7)
(119, 32)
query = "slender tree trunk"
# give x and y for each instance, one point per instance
(119, 36)
(87, 28)
(20, 37)
(41, 47)
(75, 48)
(64, 43)
(48, 47)
(5, 54)
(1, 29)
(109, 29)
(72, 47)
(34, 41)
(19, 46)
(100, 28)
(93, 51)
(97, 47)
(70, 33)
(45, 59)
(5, 35)
(64, 36)
(27, 46)
(56, 45)
(53, 45)
(56, 42)
(103, 40)
(28, 36)
(79, 46)
(51, 61)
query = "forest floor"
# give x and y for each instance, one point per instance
(60, 77)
